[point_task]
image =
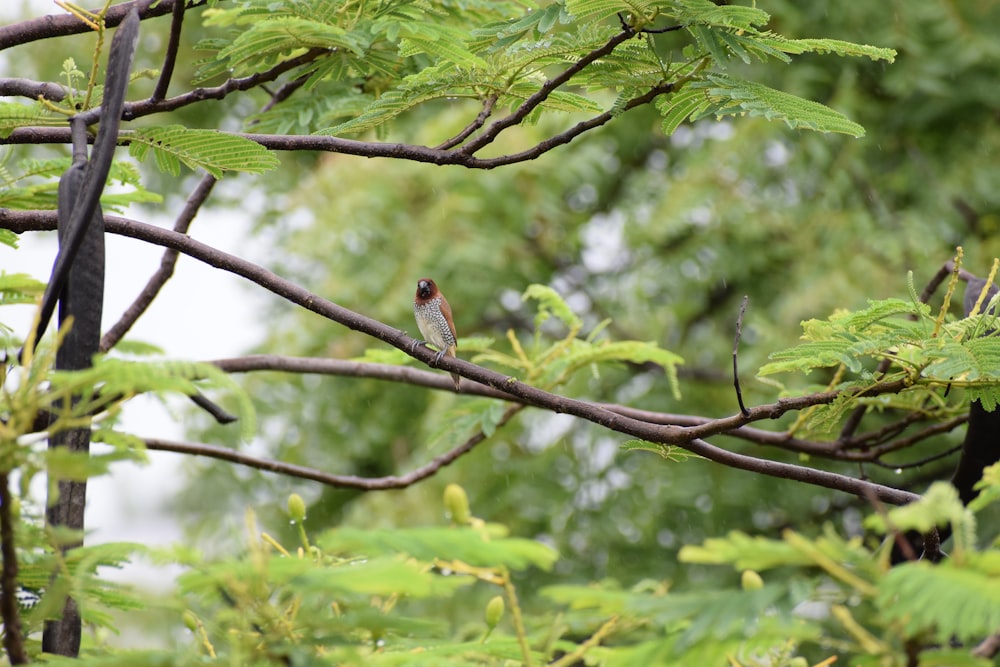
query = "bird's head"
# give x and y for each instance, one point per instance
(426, 289)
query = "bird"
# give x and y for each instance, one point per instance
(434, 320)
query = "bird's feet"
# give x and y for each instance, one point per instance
(415, 344)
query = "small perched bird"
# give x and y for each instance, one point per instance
(434, 321)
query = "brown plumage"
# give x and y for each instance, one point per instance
(435, 322)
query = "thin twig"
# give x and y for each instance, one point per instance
(133, 110)
(329, 479)
(530, 104)
(218, 413)
(61, 25)
(13, 640)
(477, 123)
(167, 264)
(923, 434)
(898, 537)
(736, 349)
(284, 92)
(645, 31)
(170, 58)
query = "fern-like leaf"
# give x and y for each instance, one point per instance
(947, 600)
(216, 152)
(735, 96)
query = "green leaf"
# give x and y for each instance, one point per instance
(743, 552)
(988, 487)
(463, 544)
(216, 152)
(631, 351)
(440, 41)
(835, 46)
(19, 288)
(285, 34)
(14, 115)
(946, 600)
(940, 505)
(735, 96)
(595, 10)
(550, 303)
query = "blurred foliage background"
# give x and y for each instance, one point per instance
(662, 235)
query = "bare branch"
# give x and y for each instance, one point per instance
(61, 25)
(736, 350)
(329, 479)
(31, 89)
(147, 107)
(812, 476)
(919, 463)
(166, 270)
(170, 58)
(477, 123)
(688, 438)
(932, 430)
(432, 380)
(13, 639)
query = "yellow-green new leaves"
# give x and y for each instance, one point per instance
(730, 95)
(939, 506)
(215, 152)
(845, 560)
(988, 487)
(468, 545)
(19, 288)
(963, 353)
(14, 115)
(948, 600)
(549, 304)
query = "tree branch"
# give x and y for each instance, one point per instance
(31, 89)
(431, 380)
(13, 640)
(329, 479)
(989, 647)
(543, 93)
(771, 468)
(61, 25)
(164, 272)
(370, 149)
(170, 58)
(663, 434)
(477, 123)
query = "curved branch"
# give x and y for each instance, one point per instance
(431, 380)
(329, 479)
(829, 480)
(543, 93)
(170, 58)
(61, 25)
(688, 438)
(164, 272)
(370, 149)
(31, 89)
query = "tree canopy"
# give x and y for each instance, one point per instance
(721, 278)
